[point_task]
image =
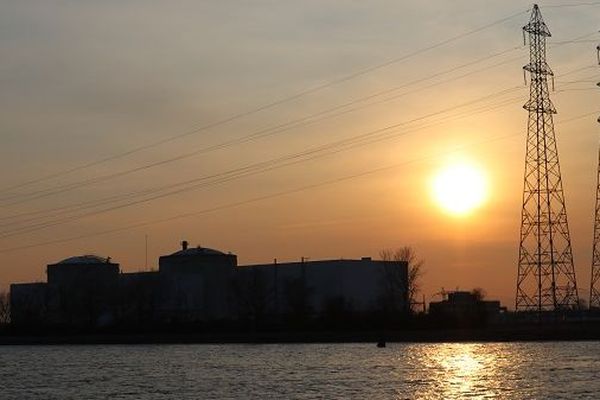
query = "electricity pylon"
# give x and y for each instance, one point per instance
(546, 275)
(595, 281)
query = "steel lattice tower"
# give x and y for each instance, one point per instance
(546, 276)
(595, 281)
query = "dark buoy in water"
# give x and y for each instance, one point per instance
(381, 343)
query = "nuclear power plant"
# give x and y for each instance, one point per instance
(205, 286)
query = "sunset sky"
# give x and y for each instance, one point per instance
(83, 81)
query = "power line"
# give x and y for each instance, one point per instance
(573, 42)
(273, 130)
(329, 148)
(70, 187)
(266, 132)
(119, 197)
(576, 90)
(111, 199)
(238, 175)
(265, 197)
(268, 105)
(569, 5)
(225, 176)
(262, 133)
(247, 170)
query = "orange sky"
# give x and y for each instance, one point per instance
(86, 81)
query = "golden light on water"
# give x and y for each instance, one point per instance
(459, 188)
(462, 371)
(469, 370)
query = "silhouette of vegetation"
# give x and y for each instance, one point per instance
(394, 279)
(479, 294)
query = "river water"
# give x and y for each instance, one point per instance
(568, 370)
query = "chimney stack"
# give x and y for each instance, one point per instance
(184, 245)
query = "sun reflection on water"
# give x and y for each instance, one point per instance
(465, 371)
(462, 368)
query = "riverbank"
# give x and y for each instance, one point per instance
(554, 332)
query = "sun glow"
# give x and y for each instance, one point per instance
(459, 188)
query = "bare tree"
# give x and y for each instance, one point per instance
(4, 308)
(478, 293)
(415, 271)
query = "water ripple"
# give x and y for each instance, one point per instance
(555, 370)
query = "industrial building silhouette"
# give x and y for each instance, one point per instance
(198, 285)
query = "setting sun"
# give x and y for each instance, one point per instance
(459, 188)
